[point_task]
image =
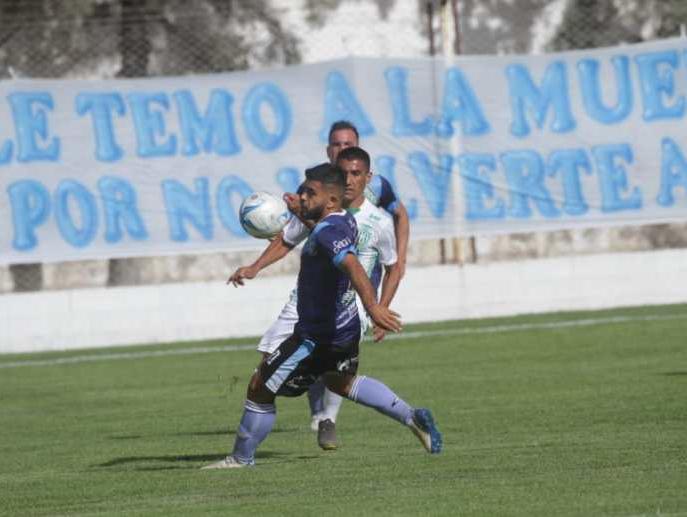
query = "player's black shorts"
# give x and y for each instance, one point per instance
(298, 362)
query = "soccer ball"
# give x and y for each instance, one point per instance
(263, 215)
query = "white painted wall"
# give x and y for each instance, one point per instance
(88, 318)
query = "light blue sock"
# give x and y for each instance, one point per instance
(316, 397)
(377, 395)
(256, 423)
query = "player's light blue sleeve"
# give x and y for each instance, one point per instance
(384, 194)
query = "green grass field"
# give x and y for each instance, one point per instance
(563, 414)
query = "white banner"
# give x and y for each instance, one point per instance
(98, 169)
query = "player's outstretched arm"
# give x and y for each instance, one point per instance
(381, 316)
(277, 249)
(402, 231)
(390, 282)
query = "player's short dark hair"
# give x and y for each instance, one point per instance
(354, 153)
(328, 175)
(340, 125)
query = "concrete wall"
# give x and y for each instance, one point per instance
(85, 318)
(213, 267)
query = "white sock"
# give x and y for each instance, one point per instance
(332, 404)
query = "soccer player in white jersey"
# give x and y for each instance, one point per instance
(376, 244)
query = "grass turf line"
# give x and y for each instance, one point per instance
(549, 421)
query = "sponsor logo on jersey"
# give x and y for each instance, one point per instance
(339, 245)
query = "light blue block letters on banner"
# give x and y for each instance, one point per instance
(78, 230)
(590, 84)
(553, 93)
(673, 172)
(340, 103)
(385, 167)
(525, 174)
(30, 202)
(396, 81)
(258, 133)
(231, 191)
(435, 182)
(119, 205)
(613, 178)
(474, 170)
(569, 162)
(150, 124)
(31, 123)
(102, 106)
(460, 105)
(214, 130)
(657, 80)
(185, 205)
(6, 152)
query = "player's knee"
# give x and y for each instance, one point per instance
(258, 392)
(339, 383)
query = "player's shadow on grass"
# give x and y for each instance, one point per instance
(189, 461)
(216, 432)
(676, 373)
(232, 432)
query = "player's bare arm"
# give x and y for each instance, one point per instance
(402, 231)
(390, 283)
(277, 249)
(381, 316)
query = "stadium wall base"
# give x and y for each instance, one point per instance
(102, 317)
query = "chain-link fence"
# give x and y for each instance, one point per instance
(137, 38)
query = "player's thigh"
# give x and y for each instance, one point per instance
(281, 329)
(340, 367)
(339, 383)
(288, 371)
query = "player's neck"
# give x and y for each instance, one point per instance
(328, 211)
(356, 203)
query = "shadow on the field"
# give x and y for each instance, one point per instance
(126, 437)
(675, 373)
(189, 461)
(222, 432)
(215, 432)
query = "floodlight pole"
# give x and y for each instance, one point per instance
(457, 50)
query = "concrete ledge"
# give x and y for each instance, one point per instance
(89, 318)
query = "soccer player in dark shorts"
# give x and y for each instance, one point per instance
(324, 404)
(325, 339)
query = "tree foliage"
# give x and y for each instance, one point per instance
(591, 23)
(104, 38)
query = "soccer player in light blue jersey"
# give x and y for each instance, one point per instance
(326, 337)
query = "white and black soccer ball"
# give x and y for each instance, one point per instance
(263, 215)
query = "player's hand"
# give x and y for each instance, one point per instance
(385, 318)
(240, 274)
(378, 334)
(293, 203)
